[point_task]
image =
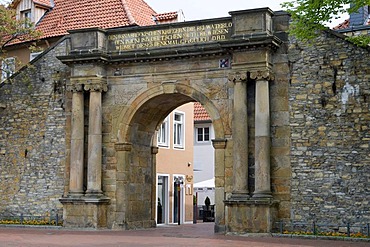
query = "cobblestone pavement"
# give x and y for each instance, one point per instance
(185, 235)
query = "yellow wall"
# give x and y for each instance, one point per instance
(179, 161)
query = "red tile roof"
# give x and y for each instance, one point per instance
(78, 14)
(200, 114)
(347, 24)
(140, 11)
(166, 16)
(46, 3)
(342, 25)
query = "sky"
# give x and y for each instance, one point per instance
(205, 9)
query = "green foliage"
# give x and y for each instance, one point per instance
(310, 16)
(13, 30)
(361, 40)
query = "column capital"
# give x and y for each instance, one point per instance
(262, 75)
(96, 85)
(237, 76)
(219, 143)
(123, 146)
(74, 87)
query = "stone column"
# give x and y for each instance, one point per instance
(240, 138)
(77, 141)
(262, 135)
(94, 161)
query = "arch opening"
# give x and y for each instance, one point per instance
(141, 162)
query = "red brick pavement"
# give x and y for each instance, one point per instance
(185, 235)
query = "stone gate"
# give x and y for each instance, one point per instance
(124, 82)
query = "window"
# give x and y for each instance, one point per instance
(7, 68)
(26, 14)
(162, 136)
(178, 130)
(202, 134)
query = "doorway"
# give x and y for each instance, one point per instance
(162, 199)
(178, 199)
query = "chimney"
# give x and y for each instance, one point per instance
(360, 17)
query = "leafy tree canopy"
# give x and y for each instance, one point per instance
(13, 30)
(310, 16)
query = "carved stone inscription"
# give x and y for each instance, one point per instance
(170, 36)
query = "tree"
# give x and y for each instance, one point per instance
(310, 16)
(13, 30)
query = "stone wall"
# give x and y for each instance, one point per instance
(329, 118)
(32, 137)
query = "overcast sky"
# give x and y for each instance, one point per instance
(204, 9)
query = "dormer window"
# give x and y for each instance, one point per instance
(26, 14)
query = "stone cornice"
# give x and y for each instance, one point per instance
(262, 75)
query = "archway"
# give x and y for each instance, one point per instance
(138, 161)
(133, 83)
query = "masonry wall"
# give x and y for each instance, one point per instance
(32, 137)
(330, 131)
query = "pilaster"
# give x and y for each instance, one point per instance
(94, 162)
(262, 134)
(122, 153)
(240, 137)
(77, 141)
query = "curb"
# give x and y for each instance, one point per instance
(278, 235)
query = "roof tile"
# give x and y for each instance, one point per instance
(166, 16)
(200, 113)
(46, 3)
(347, 24)
(77, 14)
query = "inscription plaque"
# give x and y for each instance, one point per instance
(170, 36)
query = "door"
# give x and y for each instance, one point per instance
(178, 199)
(162, 199)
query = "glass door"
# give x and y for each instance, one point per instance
(162, 199)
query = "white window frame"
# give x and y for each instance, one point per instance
(179, 142)
(203, 134)
(163, 134)
(7, 68)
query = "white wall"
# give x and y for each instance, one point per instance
(203, 156)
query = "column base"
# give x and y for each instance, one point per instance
(262, 195)
(85, 212)
(75, 194)
(94, 193)
(239, 196)
(251, 216)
